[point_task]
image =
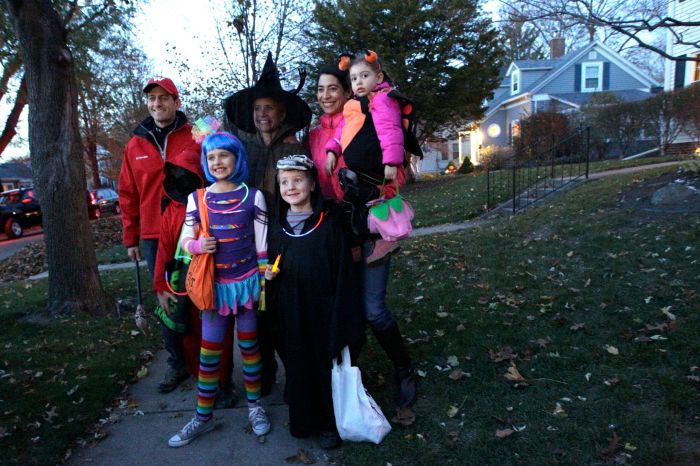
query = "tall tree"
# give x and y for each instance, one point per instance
(444, 54)
(625, 23)
(57, 153)
(521, 40)
(88, 38)
(244, 34)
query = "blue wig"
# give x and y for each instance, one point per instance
(229, 142)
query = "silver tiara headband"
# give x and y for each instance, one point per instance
(295, 162)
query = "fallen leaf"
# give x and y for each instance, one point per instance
(503, 433)
(453, 361)
(50, 414)
(505, 353)
(578, 326)
(612, 350)
(142, 372)
(513, 374)
(404, 416)
(442, 314)
(458, 374)
(421, 373)
(302, 456)
(611, 382)
(559, 410)
(452, 411)
(666, 312)
(630, 447)
(460, 328)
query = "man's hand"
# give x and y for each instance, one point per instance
(330, 163)
(208, 245)
(165, 299)
(134, 253)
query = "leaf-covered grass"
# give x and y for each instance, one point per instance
(57, 374)
(457, 198)
(596, 306)
(112, 255)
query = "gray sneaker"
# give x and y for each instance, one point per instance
(191, 431)
(259, 420)
(173, 378)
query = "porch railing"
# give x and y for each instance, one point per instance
(531, 175)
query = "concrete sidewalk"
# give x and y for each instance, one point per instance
(138, 433)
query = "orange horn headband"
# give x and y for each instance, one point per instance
(370, 56)
(344, 62)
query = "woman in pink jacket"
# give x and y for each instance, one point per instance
(332, 93)
(369, 140)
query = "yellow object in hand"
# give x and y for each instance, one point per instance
(275, 267)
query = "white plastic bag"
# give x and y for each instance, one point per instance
(357, 416)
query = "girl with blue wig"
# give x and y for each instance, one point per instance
(238, 240)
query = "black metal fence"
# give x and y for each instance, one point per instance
(529, 176)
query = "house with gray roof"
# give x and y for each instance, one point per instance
(15, 175)
(562, 83)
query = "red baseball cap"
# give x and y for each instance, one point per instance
(165, 83)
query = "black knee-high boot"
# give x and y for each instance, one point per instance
(391, 341)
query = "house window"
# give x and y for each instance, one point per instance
(515, 81)
(592, 77)
(696, 68)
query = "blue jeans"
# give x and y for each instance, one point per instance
(171, 340)
(374, 282)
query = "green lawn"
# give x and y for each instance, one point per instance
(59, 374)
(596, 307)
(457, 198)
(590, 305)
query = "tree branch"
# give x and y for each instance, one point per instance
(13, 118)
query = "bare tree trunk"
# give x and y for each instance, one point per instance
(57, 158)
(11, 123)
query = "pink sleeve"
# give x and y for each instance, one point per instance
(386, 114)
(333, 144)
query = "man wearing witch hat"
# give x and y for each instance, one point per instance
(266, 118)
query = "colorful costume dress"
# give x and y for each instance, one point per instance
(238, 221)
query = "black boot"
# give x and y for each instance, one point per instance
(391, 341)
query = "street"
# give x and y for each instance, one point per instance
(10, 246)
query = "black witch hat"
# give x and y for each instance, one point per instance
(239, 106)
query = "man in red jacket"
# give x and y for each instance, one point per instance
(163, 136)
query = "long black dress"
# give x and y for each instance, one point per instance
(315, 313)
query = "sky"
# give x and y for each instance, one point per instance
(158, 26)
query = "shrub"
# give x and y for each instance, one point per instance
(539, 133)
(495, 157)
(466, 167)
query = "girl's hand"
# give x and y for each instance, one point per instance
(269, 274)
(330, 163)
(390, 172)
(208, 244)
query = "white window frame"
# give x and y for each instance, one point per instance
(584, 66)
(515, 82)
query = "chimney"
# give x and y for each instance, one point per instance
(557, 47)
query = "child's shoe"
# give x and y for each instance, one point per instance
(382, 248)
(191, 431)
(259, 420)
